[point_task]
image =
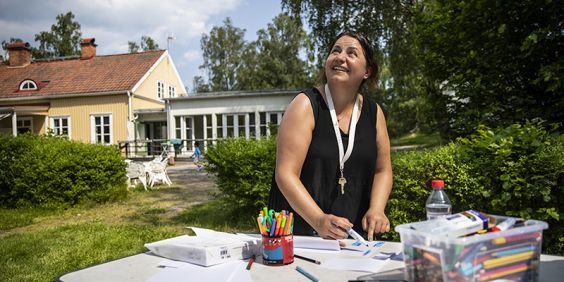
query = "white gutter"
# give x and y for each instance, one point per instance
(129, 108)
(68, 95)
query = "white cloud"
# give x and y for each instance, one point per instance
(124, 20)
(191, 55)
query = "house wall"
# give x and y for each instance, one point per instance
(80, 110)
(38, 117)
(163, 72)
(231, 104)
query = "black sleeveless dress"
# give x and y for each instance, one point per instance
(320, 171)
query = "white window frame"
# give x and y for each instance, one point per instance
(171, 91)
(93, 128)
(28, 85)
(60, 118)
(160, 89)
(22, 119)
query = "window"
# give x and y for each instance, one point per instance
(171, 91)
(263, 124)
(24, 125)
(230, 122)
(178, 127)
(209, 128)
(160, 89)
(101, 126)
(252, 129)
(28, 84)
(219, 127)
(61, 126)
(241, 125)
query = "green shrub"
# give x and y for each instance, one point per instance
(515, 171)
(51, 171)
(244, 170)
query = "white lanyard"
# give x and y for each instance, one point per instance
(352, 130)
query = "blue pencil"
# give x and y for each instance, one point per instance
(311, 277)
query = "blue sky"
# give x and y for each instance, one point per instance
(115, 22)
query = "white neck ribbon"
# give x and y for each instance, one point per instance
(352, 128)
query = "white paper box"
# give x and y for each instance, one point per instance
(204, 251)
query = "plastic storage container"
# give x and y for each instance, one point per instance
(512, 254)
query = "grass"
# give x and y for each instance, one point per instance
(39, 244)
(12, 218)
(218, 215)
(417, 139)
(46, 254)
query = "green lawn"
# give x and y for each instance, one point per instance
(417, 139)
(41, 244)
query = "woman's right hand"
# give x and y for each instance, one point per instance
(332, 227)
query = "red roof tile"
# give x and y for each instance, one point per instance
(106, 73)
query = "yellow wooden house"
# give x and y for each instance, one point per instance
(91, 98)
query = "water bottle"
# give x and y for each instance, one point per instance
(438, 203)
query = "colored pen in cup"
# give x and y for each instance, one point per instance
(356, 236)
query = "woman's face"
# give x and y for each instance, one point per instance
(346, 62)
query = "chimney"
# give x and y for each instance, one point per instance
(87, 48)
(19, 54)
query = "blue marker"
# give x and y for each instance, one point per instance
(378, 244)
(311, 277)
(273, 227)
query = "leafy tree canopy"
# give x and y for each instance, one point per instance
(62, 40)
(147, 44)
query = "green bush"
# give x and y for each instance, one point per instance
(50, 171)
(244, 170)
(515, 171)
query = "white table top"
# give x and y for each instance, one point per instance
(142, 266)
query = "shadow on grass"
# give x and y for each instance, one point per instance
(218, 215)
(149, 215)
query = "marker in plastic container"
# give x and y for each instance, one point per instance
(504, 225)
(356, 236)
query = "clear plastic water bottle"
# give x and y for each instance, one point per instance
(438, 203)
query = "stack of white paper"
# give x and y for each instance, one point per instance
(206, 250)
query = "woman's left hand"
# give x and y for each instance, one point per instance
(375, 222)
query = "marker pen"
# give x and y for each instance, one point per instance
(356, 236)
(504, 225)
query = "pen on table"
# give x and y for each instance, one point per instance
(311, 277)
(250, 262)
(356, 236)
(307, 259)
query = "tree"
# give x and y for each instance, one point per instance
(388, 25)
(222, 51)
(147, 44)
(5, 47)
(62, 40)
(496, 63)
(273, 60)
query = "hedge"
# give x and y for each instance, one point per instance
(243, 170)
(55, 172)
(514, 171)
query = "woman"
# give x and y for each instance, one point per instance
(333, 189)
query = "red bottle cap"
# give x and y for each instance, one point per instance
(438, 183)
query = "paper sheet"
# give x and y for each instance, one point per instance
(231, 271)
(354, 264)
(306, 242)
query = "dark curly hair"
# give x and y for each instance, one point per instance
(372, 80)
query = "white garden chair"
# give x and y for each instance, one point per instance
(157, 171)
(136, 171)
